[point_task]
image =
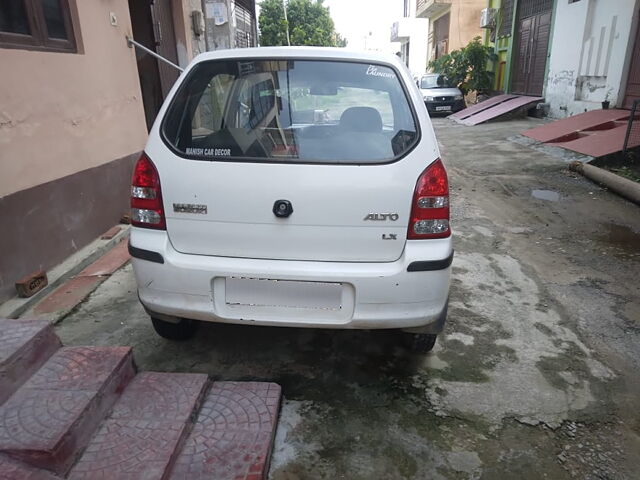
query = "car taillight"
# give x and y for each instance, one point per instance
(146, 196)
(430, 207)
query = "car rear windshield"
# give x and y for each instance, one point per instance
(435, 81)
(297, 111)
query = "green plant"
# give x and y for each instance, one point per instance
(467, 68)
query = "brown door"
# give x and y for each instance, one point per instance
(148, 73)
(533, 27)
(165, 42)
(633, 83)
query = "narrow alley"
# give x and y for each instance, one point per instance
(535, 375)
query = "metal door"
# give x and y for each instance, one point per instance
(633, 83)
(533, 27)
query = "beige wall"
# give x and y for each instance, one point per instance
(61, 113)
(464, 24)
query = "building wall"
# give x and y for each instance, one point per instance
(589, 54)
(71, 124)
(189, 44)
(62, 112)
(501, 43)
(221, 33)
(418, 48)
(412, 33)
(464, 25)
(465, 22)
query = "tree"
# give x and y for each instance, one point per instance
(273, 26)
(467, 68)
(309, 24)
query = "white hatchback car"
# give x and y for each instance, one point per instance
(297, 187)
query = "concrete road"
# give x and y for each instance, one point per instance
(536, 375)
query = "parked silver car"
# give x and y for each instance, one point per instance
(439, 95)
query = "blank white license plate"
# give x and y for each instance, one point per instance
(283, 293)
(445, 107)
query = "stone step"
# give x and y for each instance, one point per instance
(24, 347)
(49, 420)
(233, 434)
(144, 433)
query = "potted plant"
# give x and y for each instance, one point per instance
(605, 103)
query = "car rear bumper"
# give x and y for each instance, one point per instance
(374, 295)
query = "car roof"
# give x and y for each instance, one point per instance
(300, 52)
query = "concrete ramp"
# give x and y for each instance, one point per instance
(494, 108)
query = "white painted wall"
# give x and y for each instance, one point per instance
(415, 32)
(589, 54)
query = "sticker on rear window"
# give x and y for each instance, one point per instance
(373, 71)
(208, 152)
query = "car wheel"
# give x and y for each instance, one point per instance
(183, 330)
(422, 342)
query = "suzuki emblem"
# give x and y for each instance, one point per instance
(381, 217)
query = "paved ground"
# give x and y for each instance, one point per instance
(536, 376)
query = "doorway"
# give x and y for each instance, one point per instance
(633, 81)
(152, 26)
(533, 27)
(441, 35)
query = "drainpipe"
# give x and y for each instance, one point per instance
(624, 187)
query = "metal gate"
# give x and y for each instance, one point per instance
(245, 26)
(533, 27)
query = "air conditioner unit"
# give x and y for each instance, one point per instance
(488, 18)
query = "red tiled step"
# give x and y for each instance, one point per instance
(24, 347)
(233, 435)
(142, 436)
(13, 470)
(49, 420)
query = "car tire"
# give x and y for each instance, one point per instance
(422, 342)
(183, 330)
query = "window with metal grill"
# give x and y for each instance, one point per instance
(506, 18)
(529, 8)
(244, 27)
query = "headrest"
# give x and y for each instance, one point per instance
(361, 119)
